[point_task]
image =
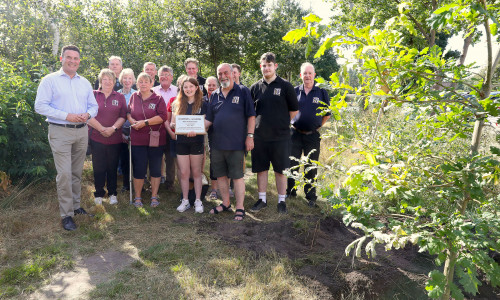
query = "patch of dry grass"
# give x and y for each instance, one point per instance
(174, 260)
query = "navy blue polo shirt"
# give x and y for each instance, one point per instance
(310, 105)
(229, 116)
(198, 138)
(273, 102)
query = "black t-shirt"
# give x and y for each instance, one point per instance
(273, 102)
(201, 82)
(199, 138)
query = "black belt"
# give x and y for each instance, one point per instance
(303, 131)
(69, 125)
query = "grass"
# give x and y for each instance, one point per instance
(177, 256)
(175, 259)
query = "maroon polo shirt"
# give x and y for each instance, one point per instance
(110, 109)
(153, 106)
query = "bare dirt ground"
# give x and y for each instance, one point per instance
(318, 255)
(88, 273)
(314, 245)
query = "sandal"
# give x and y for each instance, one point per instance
(138, 202)
(224, 208)
(154, 202)
(240, 213)
(213, 195)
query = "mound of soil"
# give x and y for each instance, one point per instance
(316, 248)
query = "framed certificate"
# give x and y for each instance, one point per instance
(188, 123)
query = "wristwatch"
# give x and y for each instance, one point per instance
(116, 129)
(146, 122)
(250, 135)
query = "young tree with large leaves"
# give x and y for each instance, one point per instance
(417, 181)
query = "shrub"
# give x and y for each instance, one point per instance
(24, 148)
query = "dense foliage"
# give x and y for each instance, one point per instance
(24, 150)
(164, 32)
(415, 180)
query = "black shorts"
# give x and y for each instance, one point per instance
(190, 148)
(144, 155)
(265, 153)
(228, 163)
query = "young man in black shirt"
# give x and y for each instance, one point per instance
(275, 105)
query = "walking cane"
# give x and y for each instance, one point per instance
(130, 168)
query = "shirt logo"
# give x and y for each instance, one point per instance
(236, 99)
(114, 102)
(152, 106)
(277, 92)
(316, 100)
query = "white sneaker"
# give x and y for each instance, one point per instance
(198, 206)
(184, 205)
(113, 200)
(98, 200)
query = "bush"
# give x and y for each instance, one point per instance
(24, 148)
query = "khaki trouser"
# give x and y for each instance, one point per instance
(69, 146)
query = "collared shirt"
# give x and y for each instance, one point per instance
(126, 125)
(166, 94)
(142, 109)
(273, 103)
(127, 96)
(310, 105)
(229, 116)
(110, 109)
(59, 95)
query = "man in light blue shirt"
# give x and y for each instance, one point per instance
(67, 100)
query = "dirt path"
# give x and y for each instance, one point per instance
(87, 274)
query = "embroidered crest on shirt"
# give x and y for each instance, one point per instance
(316, 100)
(114, 102)
(236, 99)
(277, 92)
(152, 106)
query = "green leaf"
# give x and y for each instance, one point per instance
(309, 47)
(370, 158)
(295, 35)
(311, 18)
(325, 46)
(493, 28)
(495, 150)
(445, 8)
(468, 280)
(435, 285)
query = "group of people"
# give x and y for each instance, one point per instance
(272, 119)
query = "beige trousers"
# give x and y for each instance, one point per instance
(69, 146)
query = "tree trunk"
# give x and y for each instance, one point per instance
(432, 35)
(486, 89)
(465, 49)
(449, 270)
(53, 27)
